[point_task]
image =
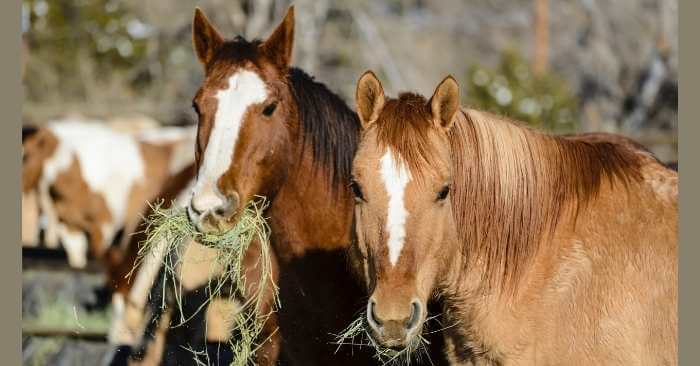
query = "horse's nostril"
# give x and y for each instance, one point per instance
(415, 315)
(371, 314)
(227, 209)
(194, 209)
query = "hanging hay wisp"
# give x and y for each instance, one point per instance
(168, 233)
(357, 334)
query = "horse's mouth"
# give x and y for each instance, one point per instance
(210, 224)
(397, 344)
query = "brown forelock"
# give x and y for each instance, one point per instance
(512, 186)
(78, 207)
(36, 149)
(404, 125)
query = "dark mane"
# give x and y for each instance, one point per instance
(328, 126)
(238, 49)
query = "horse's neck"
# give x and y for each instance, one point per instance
(516, 185)
(307, 215)
(530, 198)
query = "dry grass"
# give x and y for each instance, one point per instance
(357, 334)
(171, 227)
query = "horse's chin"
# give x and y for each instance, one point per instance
(212, 226)
(397, 344)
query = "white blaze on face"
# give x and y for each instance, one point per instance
(244, 89)
(395, 176)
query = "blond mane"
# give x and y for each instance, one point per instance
(511, 185)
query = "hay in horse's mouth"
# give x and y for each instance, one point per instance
(358, 334)
(168, 230)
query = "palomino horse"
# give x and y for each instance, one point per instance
(545, 250)
(268, 129)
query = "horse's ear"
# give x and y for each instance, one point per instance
(445, 102)
(369, 97)
(279, 44)
(205, 37)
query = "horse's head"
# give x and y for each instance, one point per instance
(243, 106)
(402, 175)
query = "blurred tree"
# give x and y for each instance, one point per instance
(540, 62)
(544, 101)
(64, 32)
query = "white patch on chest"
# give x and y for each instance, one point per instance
(395, 176)
(110, 163)
(244, 89)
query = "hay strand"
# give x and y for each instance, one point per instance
(357, 334)
(167, 233)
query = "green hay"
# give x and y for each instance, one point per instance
(172, 228)
(357, 334)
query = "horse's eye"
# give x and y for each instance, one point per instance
(270, 109)
(357, 191)
(443, 193)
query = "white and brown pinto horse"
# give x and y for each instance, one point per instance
(94, 183)
(545, 250)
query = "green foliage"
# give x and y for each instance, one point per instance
(512, 90)
(64, 34)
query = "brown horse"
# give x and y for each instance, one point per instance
(253, 113)
(268, 129)
(545, 250)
